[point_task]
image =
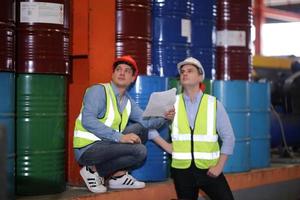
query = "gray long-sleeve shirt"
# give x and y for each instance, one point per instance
(223, 125)
(94, 108)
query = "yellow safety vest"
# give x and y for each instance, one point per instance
(206, 151)
(112, 118)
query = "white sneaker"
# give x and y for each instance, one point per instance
(126, 181)
(93, 181)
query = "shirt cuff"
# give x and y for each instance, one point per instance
(152, 133)
(227, 151)
(117, 136)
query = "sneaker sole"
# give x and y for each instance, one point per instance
(90, 189)
(126, 187)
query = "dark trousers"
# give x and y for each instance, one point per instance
(188, 182)
(109, 156)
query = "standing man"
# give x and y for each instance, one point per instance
(197, 159)
(104, 142)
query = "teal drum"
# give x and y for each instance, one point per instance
(233, 94)
(40, 131)
(3, 194)
(156, 166)
(7, 120)
(260, 124)
(235, 97)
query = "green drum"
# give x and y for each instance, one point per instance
(40, 133)
(175, 83)
(208, 86)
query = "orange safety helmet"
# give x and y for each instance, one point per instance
(128, 60)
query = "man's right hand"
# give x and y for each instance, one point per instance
(130, 138)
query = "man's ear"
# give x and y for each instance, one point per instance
(132, 79)
(201, 78)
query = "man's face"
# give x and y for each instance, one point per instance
(190, 76)
(123, 75)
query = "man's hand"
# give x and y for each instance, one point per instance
(130, 138)
(170, 114)
(215, 171)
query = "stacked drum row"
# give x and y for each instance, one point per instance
(216, 32)
(42, 53)
(7, 91)
(233, 72)
(248, 107)
(170, 42)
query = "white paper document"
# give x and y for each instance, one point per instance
(159, 103)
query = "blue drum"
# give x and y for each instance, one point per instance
(156, 166)
(171, 39)
(204, 34)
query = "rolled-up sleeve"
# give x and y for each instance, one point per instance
(225, 130)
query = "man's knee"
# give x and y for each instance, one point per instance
(141, 152)
(139, 130)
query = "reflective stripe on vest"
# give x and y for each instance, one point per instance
(206, 148)
(112, 119)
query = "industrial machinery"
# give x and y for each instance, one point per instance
(284, 77)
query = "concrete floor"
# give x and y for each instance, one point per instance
(70, 193)
(288, 190)
(281, 181)
(245, 186)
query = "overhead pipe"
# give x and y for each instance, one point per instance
(281, 15)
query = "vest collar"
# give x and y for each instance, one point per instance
(116, 91)
(198, 96)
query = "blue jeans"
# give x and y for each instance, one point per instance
(109, 157)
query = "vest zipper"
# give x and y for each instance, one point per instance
(192, 144)
(192, 131)
(120, 123)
